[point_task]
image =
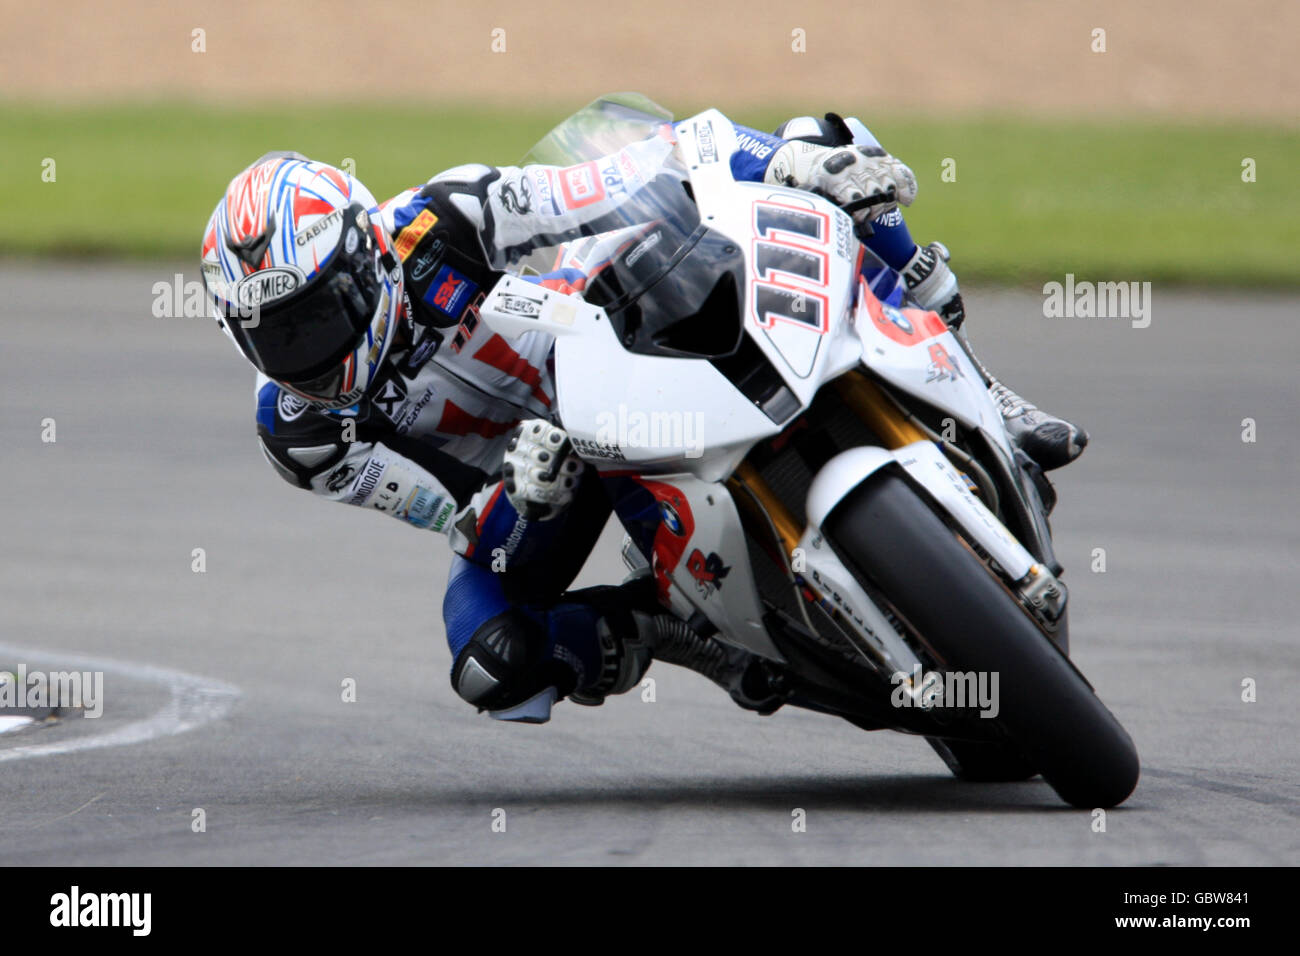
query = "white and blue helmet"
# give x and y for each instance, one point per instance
(302, 277)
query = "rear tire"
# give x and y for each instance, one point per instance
(889, 537)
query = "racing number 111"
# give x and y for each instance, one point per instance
(792, 264)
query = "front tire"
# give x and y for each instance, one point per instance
(979, 761)
(893, 542)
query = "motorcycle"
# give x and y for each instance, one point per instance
(849, 507)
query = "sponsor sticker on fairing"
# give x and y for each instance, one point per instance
(704, 142)
(631, 172)
(595, 449)
(642, 247)
(941, 367)
(519, 305)
(843, 233)
(611, 178)
(708, 572)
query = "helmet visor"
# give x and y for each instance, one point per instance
(300, 337)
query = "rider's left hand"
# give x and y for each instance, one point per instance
(865, 180)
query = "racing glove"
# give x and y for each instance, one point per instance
(540, 470)
(864, 181)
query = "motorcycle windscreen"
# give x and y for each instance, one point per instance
(605, 172)
(602, 127)
(685, 302)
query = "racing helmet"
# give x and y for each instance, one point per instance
(301, 276)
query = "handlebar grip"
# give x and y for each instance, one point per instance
(875, 199)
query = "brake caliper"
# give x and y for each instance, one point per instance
(1044, 594)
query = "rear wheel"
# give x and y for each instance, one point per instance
(968, 622)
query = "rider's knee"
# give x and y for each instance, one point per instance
(500, 666)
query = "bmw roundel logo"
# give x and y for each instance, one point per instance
(897, 318)
(671, 518)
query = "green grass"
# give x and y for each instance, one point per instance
(1032, 200)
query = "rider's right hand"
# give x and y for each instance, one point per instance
(540, 470)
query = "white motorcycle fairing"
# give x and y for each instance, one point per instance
(814, 319)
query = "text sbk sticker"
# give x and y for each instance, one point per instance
(450, 291)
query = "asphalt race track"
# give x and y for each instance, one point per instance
(223, 688)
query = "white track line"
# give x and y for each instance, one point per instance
(193, 702)
(13, 723)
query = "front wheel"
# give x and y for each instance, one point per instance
(967, 621)
(981, 761)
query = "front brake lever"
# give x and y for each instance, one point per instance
(863, 229)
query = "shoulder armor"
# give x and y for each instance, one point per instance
(469, 172)
(298, 442)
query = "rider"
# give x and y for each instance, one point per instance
(378, 386)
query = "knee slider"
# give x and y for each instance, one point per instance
(493, 669)
(498, 668)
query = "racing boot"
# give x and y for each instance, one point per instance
(625, 657)
(1048, 440)
(752, 682)
(648, 632)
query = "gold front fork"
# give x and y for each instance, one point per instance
(871, 405)
(748, 487)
